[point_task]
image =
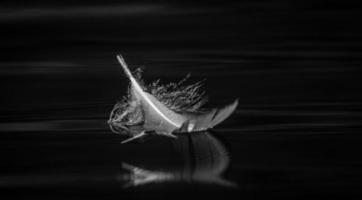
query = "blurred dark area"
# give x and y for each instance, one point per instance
(294, 66)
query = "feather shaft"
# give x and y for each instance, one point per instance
(142, 93)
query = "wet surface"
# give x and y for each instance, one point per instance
(295, 69)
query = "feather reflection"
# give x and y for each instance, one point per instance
(205, 159)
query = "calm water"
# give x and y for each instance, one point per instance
(295, 68)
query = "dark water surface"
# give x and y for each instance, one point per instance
(295, 68)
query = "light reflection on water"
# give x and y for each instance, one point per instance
(200, 157)
(204, 161)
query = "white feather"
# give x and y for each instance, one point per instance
(149, 99)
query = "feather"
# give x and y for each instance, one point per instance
(160, 108)
(214, 117)
(223, 113)
(156, 113)
(139, 135)
(208, 120)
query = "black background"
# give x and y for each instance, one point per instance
(294, 66)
